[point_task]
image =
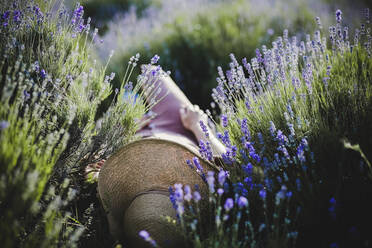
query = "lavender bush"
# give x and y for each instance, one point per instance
(50, 91)
(291, 177)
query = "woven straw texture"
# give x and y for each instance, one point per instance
(144, 165)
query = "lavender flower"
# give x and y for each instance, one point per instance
(5, 18)
(189, 163)
(291, 129)
(233, 150)
(155, 59)
(210, 181)
(77, 19)
(146, 236)
(338, 16)
(204, 128)
(27, 95)
(43, 74)
(17, 16)
(262, 194)
(220, 191)
(298, 184)
(78, 13)
(301, 150)
(128, 86)
(244, 129)
(240, 189)
(225, 138)
(229, 204)
(272, 128)
(249, 182)
(252, 151)
(285, 152)
(224, 120)
(197, 196)
(205, 150)
(197, 164)
(318, 22)
(288, 194)
(281, 195)
(4, 124)
(281, 138)
(187, 191)
(248, 169)
(222, 177)
(332, 208)
(178, 198)
(242, 202)
(178, 193)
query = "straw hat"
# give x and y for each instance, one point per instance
(146, 165)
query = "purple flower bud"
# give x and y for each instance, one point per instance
(197, 196)
(144, 234)
(288, 194)
(244, 129)
(155, 59)
(248, 169)
(197, 164)
(281, 195)
(318, 22)
(3, 125)
(178, 192)
(128, 86)
(187, 191)
(242, 202)
(224, 120)
(262, 194)
(338, 16)
(272, 128)
(43, 74)
(26, 94)
(282, 139)
(17, 16)
(204, 128)
(205, 150)
(188, 162)
(222, 177)
(229, 204)
(210, 181)
(5, 18)
(220, 191)
(248, 181)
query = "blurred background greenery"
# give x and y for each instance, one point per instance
(193, 37)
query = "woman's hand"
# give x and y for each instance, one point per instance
(191, 116)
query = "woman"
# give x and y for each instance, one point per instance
(133, 184)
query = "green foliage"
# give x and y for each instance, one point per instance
(50, 92)
(103, 11)
(31, 143)
(194, 45)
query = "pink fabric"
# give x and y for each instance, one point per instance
(167, 120)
